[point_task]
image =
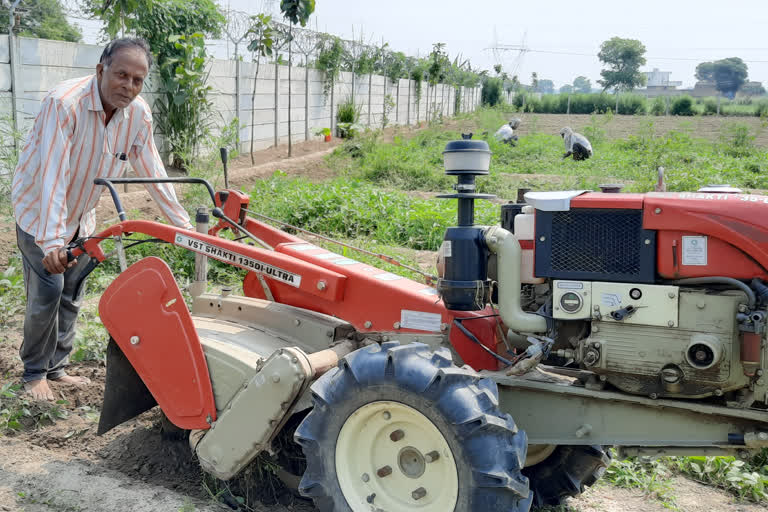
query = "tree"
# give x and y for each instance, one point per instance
(581, 84)
(546, 86)
(296, 11)
(728, 74)
(624, 58)
(261, 34)
(566, 89)
(44, 19)
(534, 81)
(497, 68)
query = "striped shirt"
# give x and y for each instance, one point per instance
(67, 148)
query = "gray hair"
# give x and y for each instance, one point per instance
(116, 45)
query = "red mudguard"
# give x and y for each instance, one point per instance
(144, 312)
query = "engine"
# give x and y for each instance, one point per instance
(658, 294)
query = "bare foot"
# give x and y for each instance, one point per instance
(38, 390)
(74, 380)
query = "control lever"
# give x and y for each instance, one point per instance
(624, 313)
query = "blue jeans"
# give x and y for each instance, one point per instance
(51, 315)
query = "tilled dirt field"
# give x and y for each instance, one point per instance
(65, 466)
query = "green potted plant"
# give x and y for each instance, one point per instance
(325, 132)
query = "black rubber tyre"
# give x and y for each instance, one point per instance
(567, 472)
(488, 449)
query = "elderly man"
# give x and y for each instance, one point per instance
(575, 144)
(506, 133)
(87, 128)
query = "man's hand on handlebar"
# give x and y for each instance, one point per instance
(58, 261)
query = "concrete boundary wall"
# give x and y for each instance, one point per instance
(41, 64)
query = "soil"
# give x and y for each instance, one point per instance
(64, 466)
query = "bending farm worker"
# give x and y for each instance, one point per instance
(90, 127)
(575, 144)
(506, 133)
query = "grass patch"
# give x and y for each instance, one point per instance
(19, 414)
(12, 292)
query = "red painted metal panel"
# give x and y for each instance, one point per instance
(736, 220)
(145, 305)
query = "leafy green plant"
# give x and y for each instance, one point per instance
(91, 337)
(12, 293)
(261, 34)
(650, 476)
(329, 61)
(682, 106)
(736, 476)
(347, 111)
(184, 107)
(324, 132)
(18, 413)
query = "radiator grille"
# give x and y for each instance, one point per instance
(604, 244)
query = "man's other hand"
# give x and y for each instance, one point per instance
(56, 262)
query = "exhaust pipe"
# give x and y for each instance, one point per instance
(509, 256)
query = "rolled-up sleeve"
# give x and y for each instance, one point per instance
(146, 161)
(55, 147)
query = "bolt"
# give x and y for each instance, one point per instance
(396, 325)
(443, 327)
(385, 471)
(275, 378)
(365, 477)
(419, 493)
(134, 340)
(584, 430)
(397, 435)
(742, 308)
(494, 240)
(671, 323)
(700, 305)
(762, 436)
(370, 498)
(657, 211)
(654, 396)
(718, 392)
(297, 322)
(671, 295)
(386, 415)
(367, 324)
(542, 238)
(744, 454)
(596, 344)
(294, 359)
(321, 285)
(603, 378)
(432, 456)
(647, 241)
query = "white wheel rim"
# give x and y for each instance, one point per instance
(388, 449)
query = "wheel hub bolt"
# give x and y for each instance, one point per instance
(432, 456)
(397, 435)
(385, 471)
(386, 415)
(419, 493)
(365, 477)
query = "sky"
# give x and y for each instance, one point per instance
(562, 37)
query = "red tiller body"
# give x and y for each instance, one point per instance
(735, 227)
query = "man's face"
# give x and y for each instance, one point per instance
(123, 80)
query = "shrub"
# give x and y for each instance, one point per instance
(710, 107)
(658, 107)
(682, 106)
(348, 112)
(491, 92)
(761, 109)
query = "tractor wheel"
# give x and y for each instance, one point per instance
(401, 428)
(568, 471)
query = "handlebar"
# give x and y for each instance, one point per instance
(109, 183)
